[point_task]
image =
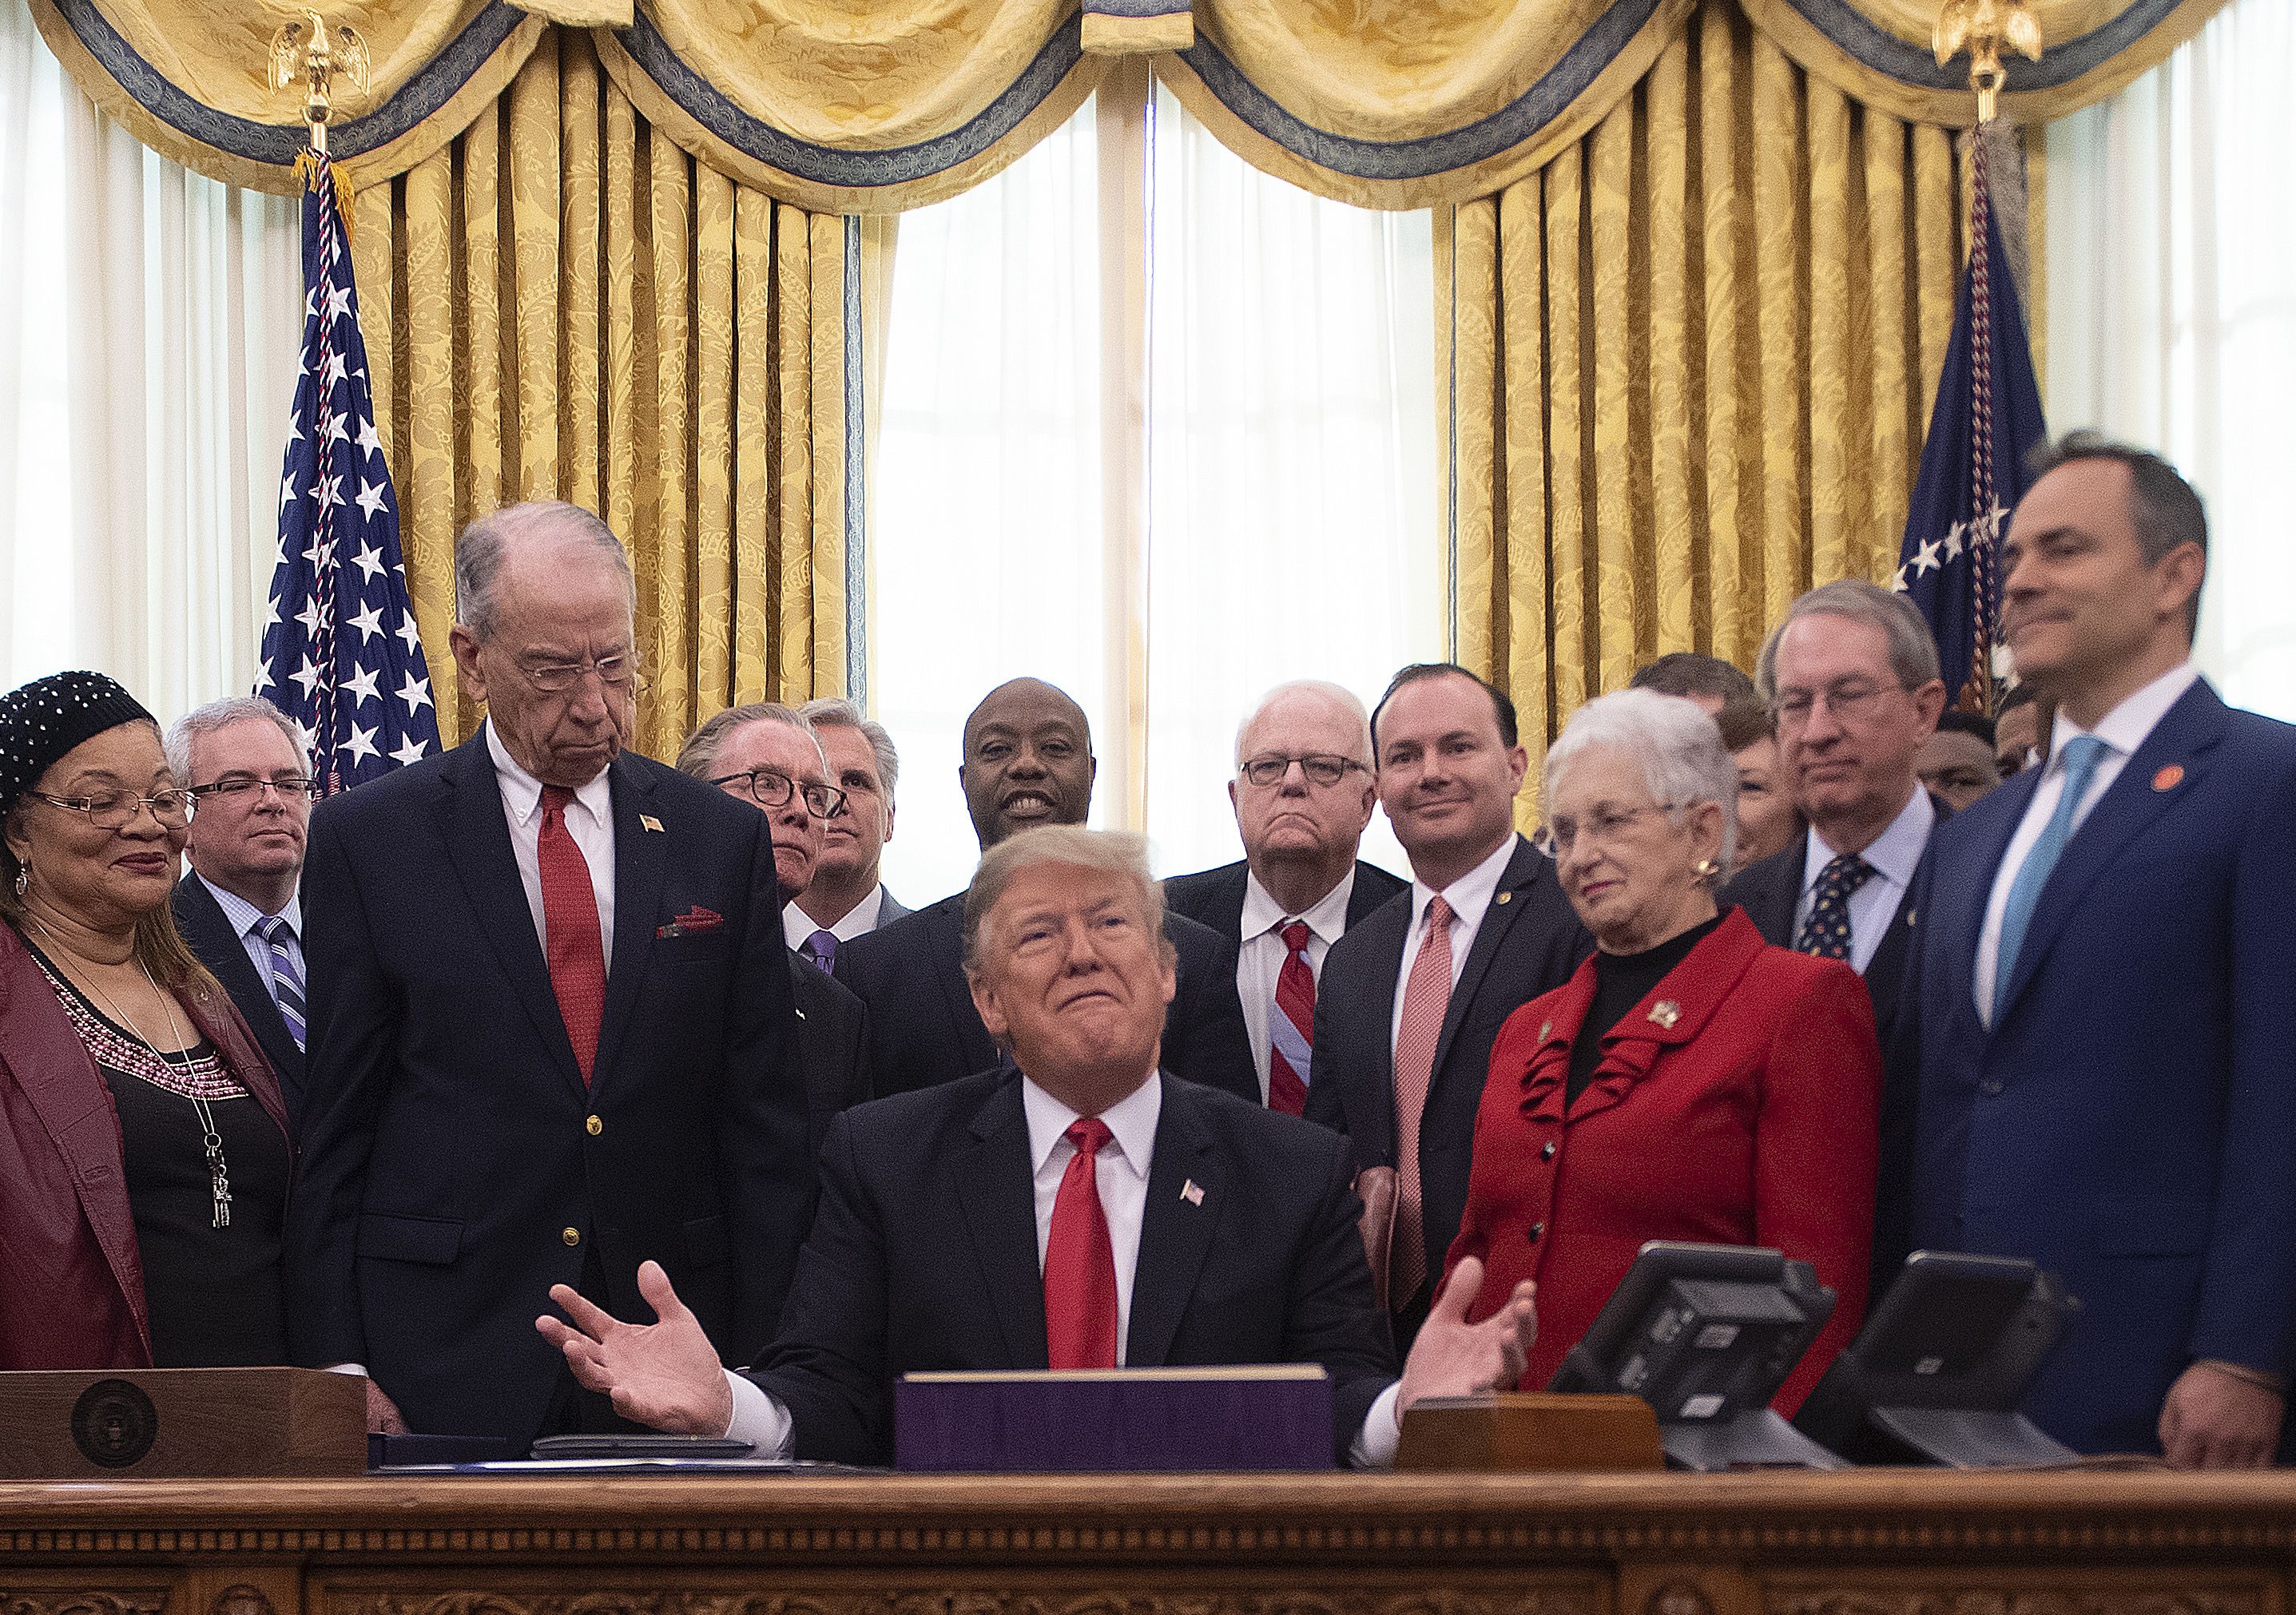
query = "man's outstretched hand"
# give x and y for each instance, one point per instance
(1453, 1357)
(664, 1375)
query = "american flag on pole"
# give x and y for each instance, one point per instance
(1985, 424)
(341, 655)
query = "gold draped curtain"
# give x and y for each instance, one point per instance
(562, 304)
(1690, 363)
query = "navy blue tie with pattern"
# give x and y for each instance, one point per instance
(1826, 932)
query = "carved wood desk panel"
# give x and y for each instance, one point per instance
(1870, 1543)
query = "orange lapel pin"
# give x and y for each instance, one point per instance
(2169, 777)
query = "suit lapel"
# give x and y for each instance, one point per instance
(641, 857)
(1175, 1228)
(996, 1190)
(2185, 736)
(1522, 872)
(209, 929)
(476, 833)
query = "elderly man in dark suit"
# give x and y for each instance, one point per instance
(1302, 794)
(1028, 763)
(769, 756)
(1413, 997)
(1084, 1211)
(1852, 676)
(550, 1020)
(244, 762)
(2103, 976)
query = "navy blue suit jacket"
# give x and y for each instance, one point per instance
(208, 929)
(924, 1029)
(1529, 943)
(450, 1143)
(2129, 1122)
(924, 1256)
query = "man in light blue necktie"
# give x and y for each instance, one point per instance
(238, 906)
(2106, 1018)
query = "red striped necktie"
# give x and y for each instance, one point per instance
(1291, 1025)
(571, 942)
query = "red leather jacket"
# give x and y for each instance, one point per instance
(1738, 1104)
(72, 1282)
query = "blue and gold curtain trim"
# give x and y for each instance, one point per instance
(881, 109)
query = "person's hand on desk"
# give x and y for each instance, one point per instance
(383, 1416)
(2220, 1417)
(1453, 1357)
(664, 1375)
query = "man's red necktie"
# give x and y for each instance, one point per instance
(1080, 1266)
(571, 943)
(1293, 1027)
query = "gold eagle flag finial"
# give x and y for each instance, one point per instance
(314, 55)
(1984, 29)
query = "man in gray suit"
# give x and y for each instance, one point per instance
(846, 898)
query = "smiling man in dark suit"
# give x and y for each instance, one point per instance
(251, 783)
(1083, 1211)
(1412, 997)
(1028, 763)
(1852, 676)
(2103, 977)
(550, 1020)
(1302, 794)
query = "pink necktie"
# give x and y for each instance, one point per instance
(571, 942)
(1426, 997)
(1080, 1264)
(1294, 1027)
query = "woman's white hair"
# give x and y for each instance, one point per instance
(1676, 745)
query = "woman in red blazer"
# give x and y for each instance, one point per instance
(1690, 1082)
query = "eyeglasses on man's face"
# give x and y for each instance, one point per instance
(1320, 767)
(117, 809)
(244, 790)
(617, 672)
(1850, 700)
(771, 788)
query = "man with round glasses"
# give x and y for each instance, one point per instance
(243, 764)
(769, 756)
(1302, 795)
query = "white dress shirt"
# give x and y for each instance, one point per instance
(245, 917)
(857, 921)
(1259, 958)
(1893, 856)
(2122, 730)
(589, 820)
(1470, 898)
(1120, 1173)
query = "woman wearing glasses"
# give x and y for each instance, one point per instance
(1690, 1082)
(143, 1147)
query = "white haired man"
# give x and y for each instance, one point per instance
(1302, 794)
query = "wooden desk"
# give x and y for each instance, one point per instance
(1872, 1542)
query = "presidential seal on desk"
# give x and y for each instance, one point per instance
(114, 1423)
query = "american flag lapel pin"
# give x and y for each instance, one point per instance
(651, 822)
(1191, 1192)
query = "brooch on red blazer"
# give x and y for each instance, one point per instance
(692, 923)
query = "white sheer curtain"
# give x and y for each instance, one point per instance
(2172, 312)
(147, 367)
(1286, 397)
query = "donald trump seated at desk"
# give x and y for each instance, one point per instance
(1089, 1211)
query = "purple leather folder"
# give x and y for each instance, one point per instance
(1276, 1417)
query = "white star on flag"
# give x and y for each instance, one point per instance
(369, 562)
(415, 692)
(360, 744)
(368, 622)
(361, 683)
(410, 751)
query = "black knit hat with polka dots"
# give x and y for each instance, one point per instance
(42, 721)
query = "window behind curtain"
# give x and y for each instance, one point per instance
(1289, 496)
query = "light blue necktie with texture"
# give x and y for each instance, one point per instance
(2082, 754)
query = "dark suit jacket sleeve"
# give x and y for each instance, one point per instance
(1900, 1041)
(2248, 1287)
(1325, 1103)
(827, 1365)
(764, 1166)
(1814, 1151)
(1332, 1318)
(354, 1037)
(1215, 1046)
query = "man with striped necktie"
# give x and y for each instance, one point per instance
(238, 905)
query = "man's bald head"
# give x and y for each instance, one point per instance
(1028, 760)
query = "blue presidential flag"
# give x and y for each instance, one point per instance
(1986, 424)
(341, 655)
